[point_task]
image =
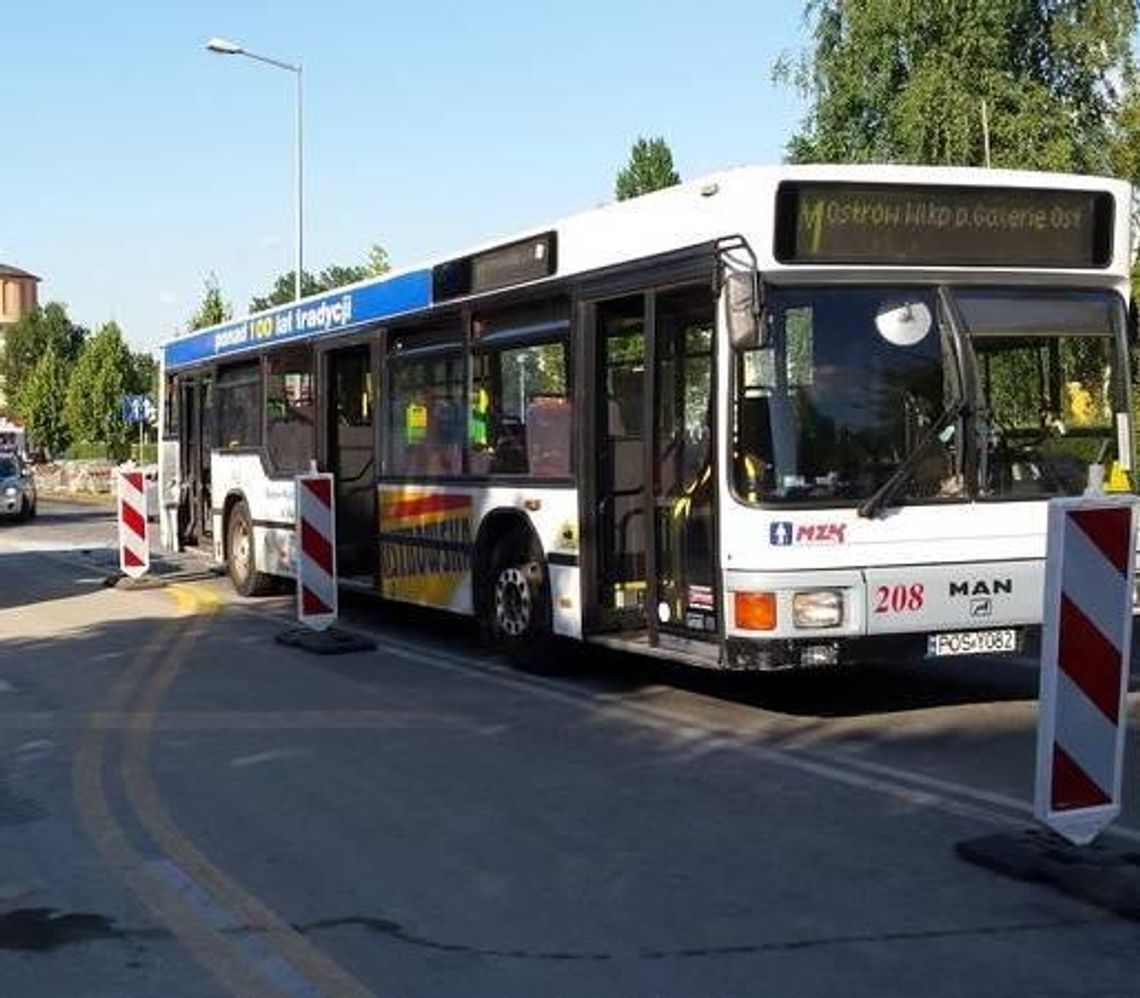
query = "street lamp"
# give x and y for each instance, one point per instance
(223, 46)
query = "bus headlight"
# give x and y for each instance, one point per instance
(817, 608)
(10, 491)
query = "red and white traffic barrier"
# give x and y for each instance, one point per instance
(1085, 650)
(134, 542)
(316, 551)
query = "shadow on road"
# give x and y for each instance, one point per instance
(846, 691)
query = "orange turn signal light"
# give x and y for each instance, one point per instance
(755, 611)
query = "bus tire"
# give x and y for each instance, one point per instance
(517, 611)
(241, 554)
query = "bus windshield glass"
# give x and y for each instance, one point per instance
(1049, 387)
(855, 381)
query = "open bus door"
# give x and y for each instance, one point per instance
(195, 404)
(350, 418)
(653, 449)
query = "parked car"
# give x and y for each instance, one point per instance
(17, 488)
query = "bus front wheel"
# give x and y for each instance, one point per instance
(241, 554)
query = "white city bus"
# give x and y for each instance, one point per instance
(771, 418)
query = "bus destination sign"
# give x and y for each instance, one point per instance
(857, 223)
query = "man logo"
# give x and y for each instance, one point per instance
(983, 607)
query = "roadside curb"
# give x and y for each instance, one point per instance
(106, 499)
(1098, 874)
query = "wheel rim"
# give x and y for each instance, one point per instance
(513, 605)
(240, 550)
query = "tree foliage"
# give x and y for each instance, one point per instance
(26, 341)
(102, 376)
(331, 277)
(650, 168)
(144, 376)
(213, 309)
(41, 403)
(904, 80)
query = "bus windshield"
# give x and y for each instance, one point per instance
(856, 380)
(1049, 387)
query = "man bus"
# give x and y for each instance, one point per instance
(766, 419)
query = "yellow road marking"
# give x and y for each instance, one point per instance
(232, 968)
(204, 943)
(329, 976)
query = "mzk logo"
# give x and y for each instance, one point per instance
(784, 533)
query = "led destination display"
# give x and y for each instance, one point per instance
(819, 222)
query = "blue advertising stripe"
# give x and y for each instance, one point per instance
(330, 313)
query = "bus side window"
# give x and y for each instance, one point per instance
(290, 438)
(425, 415)
(238, 403)
(520, 411)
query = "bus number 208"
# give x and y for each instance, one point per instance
(900, 598)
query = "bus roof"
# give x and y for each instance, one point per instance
(735, 201)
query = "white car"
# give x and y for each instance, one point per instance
(17, 488)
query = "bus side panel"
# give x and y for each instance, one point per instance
(272, 505)
(428, 534)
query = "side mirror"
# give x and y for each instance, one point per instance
(746, 326)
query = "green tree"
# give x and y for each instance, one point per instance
(41, 401)
(331, 277)
(901, 81)
(213, 309)
(650, 168)
(144, 375)
(26, 341)
(102, 376)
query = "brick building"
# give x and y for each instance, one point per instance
(18, 296)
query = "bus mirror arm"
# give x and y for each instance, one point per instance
(874, 503)
(744, 305)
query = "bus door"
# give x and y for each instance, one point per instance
(350, 415)
(686, 600)
(195, 401)
(653, 451)
(619, 471)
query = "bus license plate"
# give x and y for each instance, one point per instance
(971, 643)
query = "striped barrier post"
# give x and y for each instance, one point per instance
(1085, 651)
(316, 551)
(134, 542)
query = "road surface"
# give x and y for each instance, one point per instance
(189, 808)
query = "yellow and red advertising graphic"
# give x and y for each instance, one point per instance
(425, 545)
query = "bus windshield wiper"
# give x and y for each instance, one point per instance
(873, 504)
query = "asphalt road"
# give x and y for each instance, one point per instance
(188, 808)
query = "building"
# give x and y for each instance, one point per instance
(18, 296)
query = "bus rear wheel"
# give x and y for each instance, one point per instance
(516, 612)
(241, 554)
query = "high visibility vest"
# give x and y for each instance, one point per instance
(480, 419)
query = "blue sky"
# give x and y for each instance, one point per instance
(146, 162)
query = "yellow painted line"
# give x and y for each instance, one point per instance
(313, 965)
(239, 971)
(208, 947)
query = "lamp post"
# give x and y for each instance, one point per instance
(223, 46)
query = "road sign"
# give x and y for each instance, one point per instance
(1085, 650)
(134, 544)
(316, 554)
